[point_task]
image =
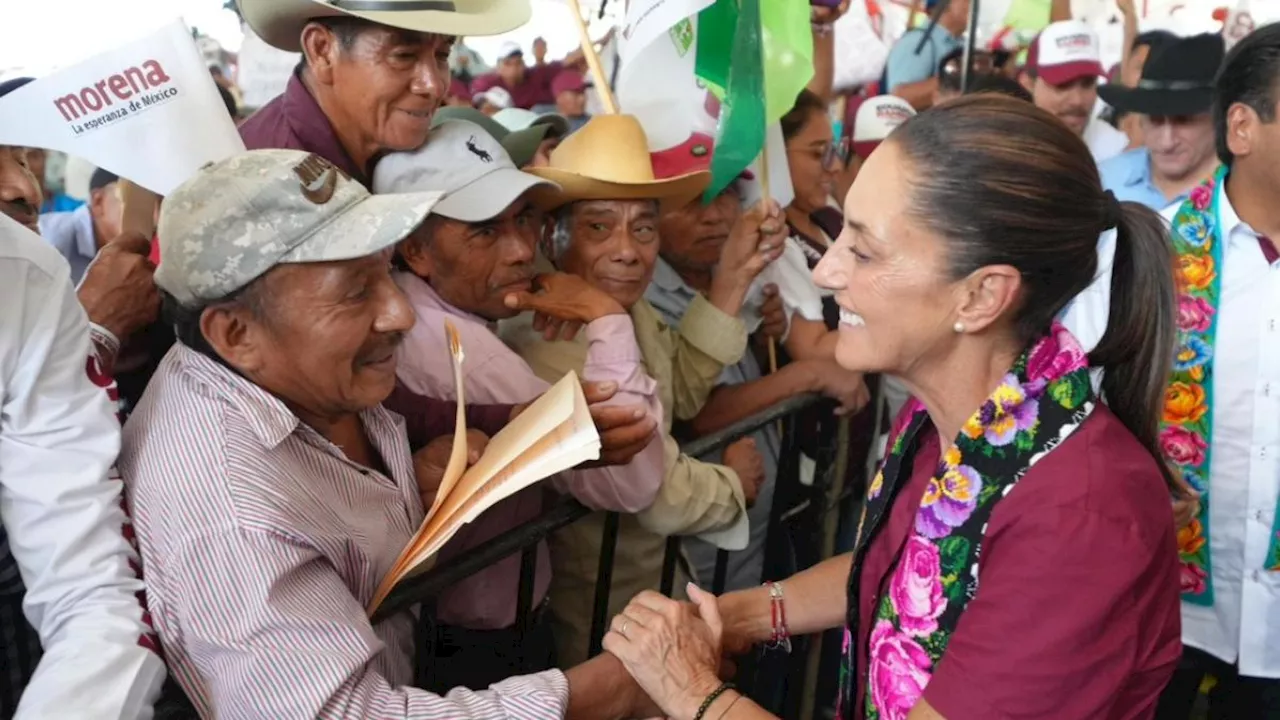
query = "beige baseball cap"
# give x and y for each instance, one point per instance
(469, 166)
(240, 217)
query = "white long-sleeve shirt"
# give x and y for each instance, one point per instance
(1243, 626)
(58, 504)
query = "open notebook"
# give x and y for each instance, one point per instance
(553, 434)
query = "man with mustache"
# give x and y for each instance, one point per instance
(1061, 73)
(472, 257)
(272, 490)
(370, 78)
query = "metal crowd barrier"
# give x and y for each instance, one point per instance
(423, 589)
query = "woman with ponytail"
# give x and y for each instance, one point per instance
(1016, 555)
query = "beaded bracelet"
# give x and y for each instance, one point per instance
(706, 704)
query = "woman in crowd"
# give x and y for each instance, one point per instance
(966, 234)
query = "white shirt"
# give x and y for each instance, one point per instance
(1104, 141)
(1243, 626)
(58, 439)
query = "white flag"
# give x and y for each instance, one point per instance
(148, 111)
(656, 81)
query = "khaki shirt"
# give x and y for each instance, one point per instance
(696, 498)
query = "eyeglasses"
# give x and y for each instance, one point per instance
(830, 154)
(983, 62)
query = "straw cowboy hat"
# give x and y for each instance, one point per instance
(280, 22)
(608, 159)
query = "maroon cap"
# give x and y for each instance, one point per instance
(690, 156)
(568, 81)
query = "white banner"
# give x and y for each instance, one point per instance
(148, 111)
(647, 20)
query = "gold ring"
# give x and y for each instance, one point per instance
(623, 630)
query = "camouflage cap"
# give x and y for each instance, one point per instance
(240, 217)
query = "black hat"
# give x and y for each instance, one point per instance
(1176, 80)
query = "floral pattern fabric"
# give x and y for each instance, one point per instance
(1042, 400)
(1186, 430)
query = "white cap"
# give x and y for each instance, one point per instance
(464, 162)
(1064, 52)
(878, 116)
(517, 119)
(508, 49)
(495, 96)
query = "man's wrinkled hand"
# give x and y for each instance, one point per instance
(624, 430)
(562, 304)
(430, 462)
(755, 241)
(118, 291)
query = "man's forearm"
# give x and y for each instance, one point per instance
(601, 689)
(730, 403)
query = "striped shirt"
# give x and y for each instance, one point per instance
(263, 544)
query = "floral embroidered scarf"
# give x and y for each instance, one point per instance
(1186, 433)
(1044, 398)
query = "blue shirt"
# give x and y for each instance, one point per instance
(1128, 175)
(905, 65)
(71, 234)
(60, 203)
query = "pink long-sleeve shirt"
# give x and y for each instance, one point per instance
(494, 374)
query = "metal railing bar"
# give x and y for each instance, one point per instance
(721, 577)
(708, 443)
(415, 589)
(669, 560)
(524, 592)
(604, 583)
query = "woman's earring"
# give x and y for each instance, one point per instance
(958, 327)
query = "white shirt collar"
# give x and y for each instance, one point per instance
(1230, 221)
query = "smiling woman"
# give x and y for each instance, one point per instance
(958, 251)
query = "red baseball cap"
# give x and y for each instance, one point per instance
(690, 156)
(1065, 52)
(568, 81)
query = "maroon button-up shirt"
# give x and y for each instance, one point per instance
(1077, 612)
(535, 90)
(294, 121)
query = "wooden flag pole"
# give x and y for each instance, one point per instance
(593, 61)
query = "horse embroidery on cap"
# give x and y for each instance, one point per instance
(482, 154)
(319, 178)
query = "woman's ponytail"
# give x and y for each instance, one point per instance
(1137, 350)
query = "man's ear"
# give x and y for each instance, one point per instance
(230, 331)
(320, 48)
(414, 251)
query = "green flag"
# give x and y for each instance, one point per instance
(756, 59)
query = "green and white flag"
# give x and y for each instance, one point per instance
(756, 56)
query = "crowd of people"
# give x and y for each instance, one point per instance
(1055, 282)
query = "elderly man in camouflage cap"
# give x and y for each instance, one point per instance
(272, 490)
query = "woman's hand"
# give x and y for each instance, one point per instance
(672, 653)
